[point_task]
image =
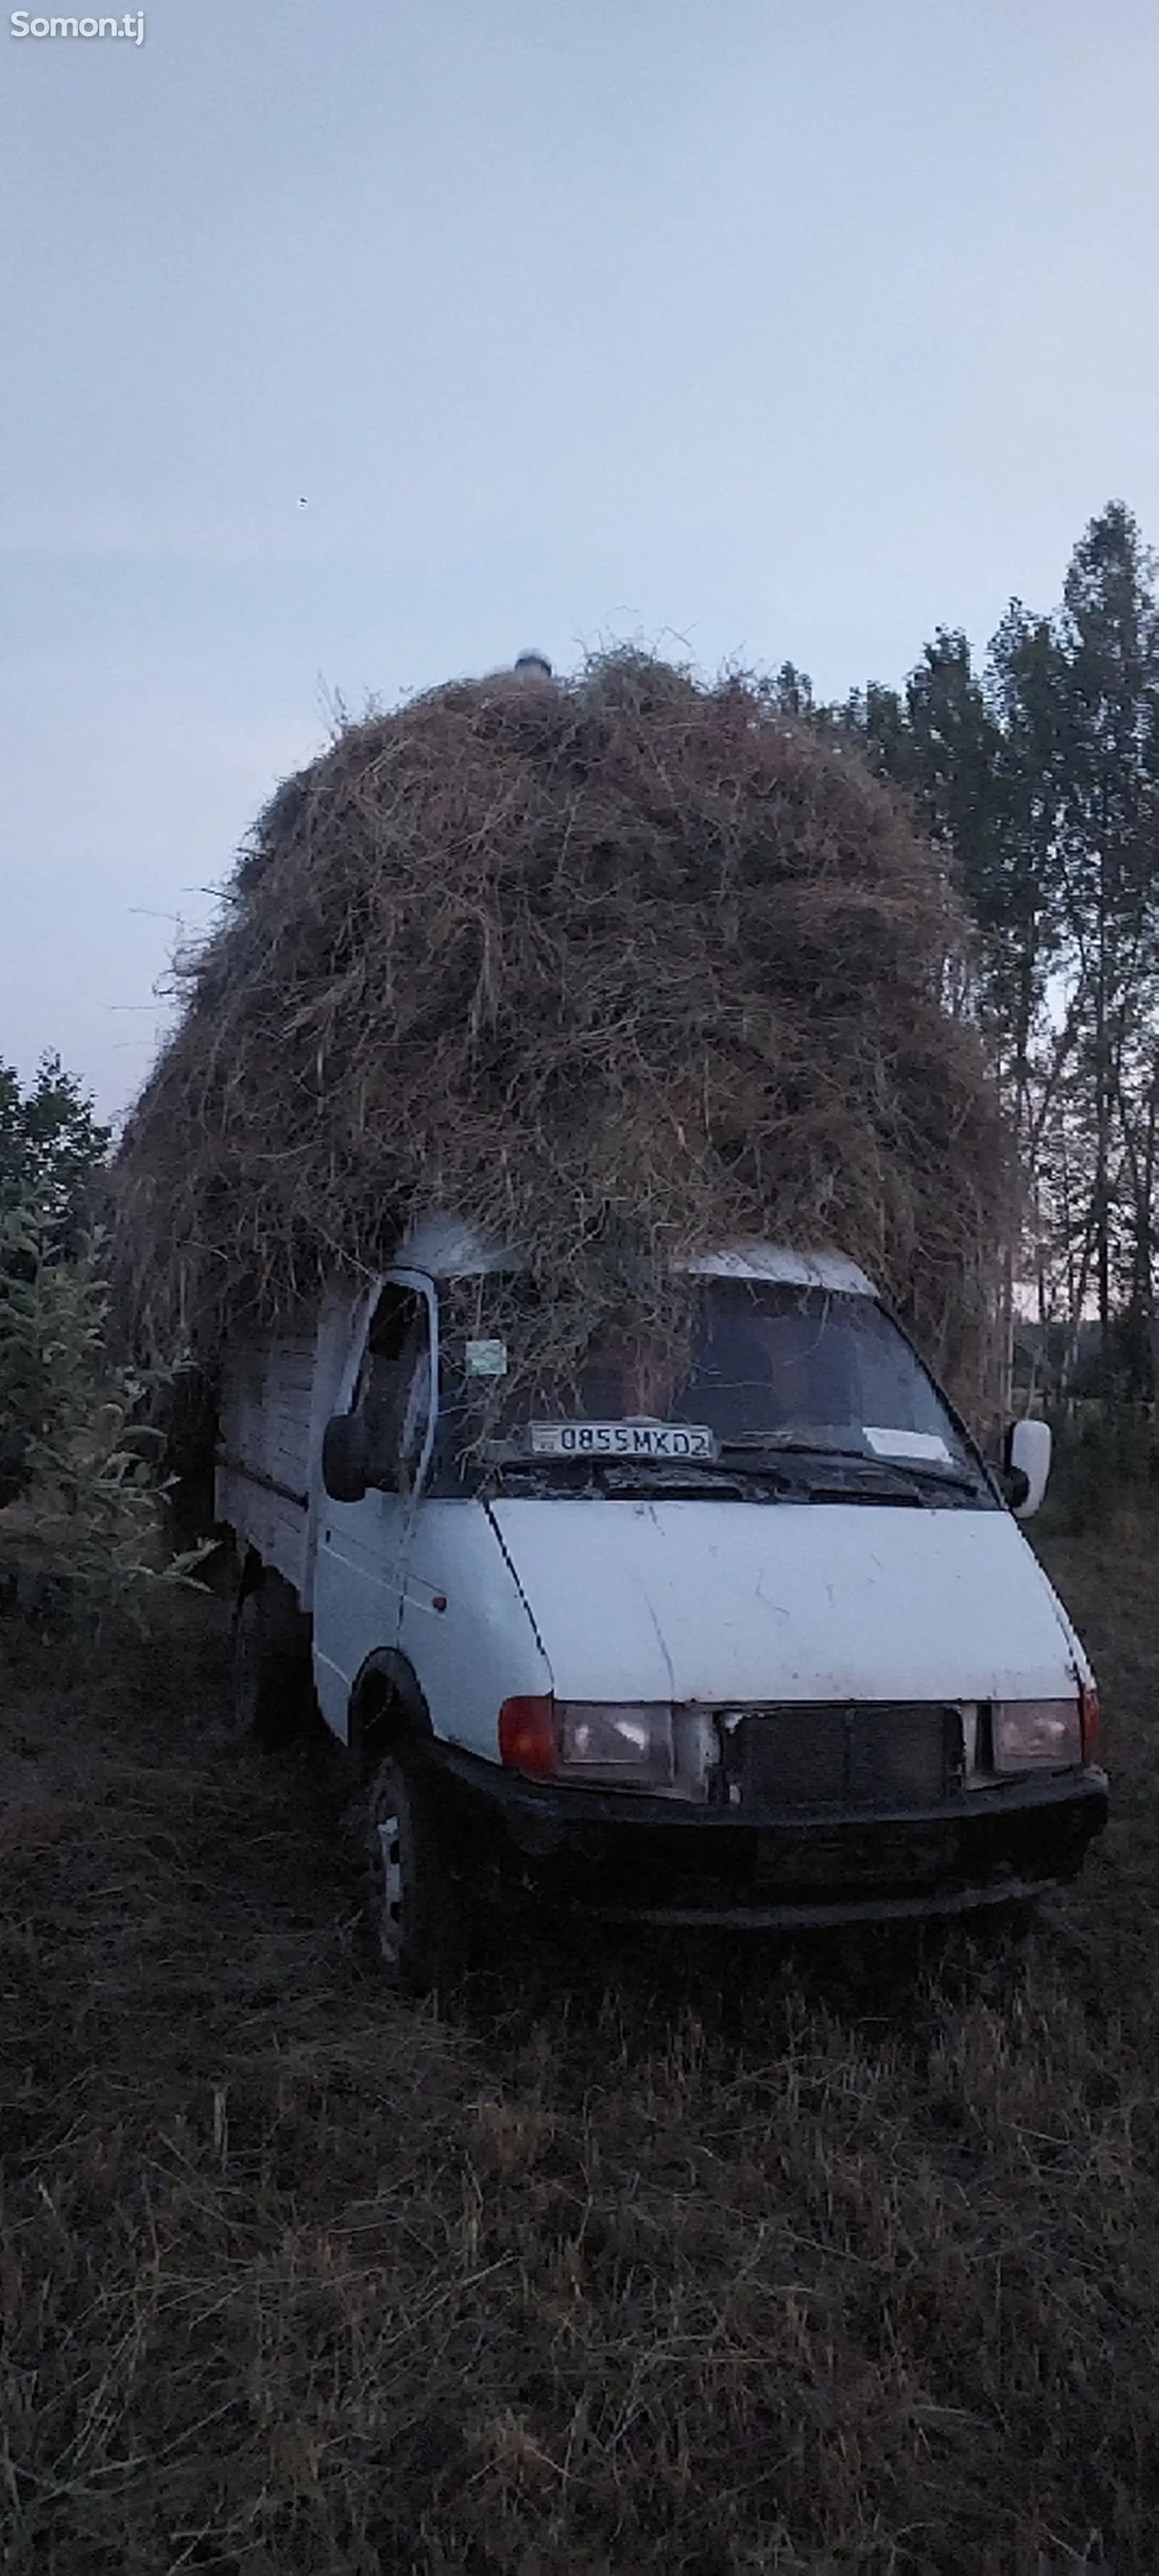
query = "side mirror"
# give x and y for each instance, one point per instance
(345, 1458)
(1027, 1462)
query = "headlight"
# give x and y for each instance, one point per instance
(616, 1742)
(1037, 1734)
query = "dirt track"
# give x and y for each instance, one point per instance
(716, 2265)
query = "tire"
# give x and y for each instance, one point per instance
(1000, 1930)
(415, 1912)
(270, 1672)
(991, 1932)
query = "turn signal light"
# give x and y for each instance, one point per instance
(527, 1736)
(1089, 1719)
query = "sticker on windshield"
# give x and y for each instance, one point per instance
(907, 1444)
(486, 1359)
(620, 1440)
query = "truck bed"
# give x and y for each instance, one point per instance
(278, 1392)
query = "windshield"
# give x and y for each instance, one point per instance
(773, 1370)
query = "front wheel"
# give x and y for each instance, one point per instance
(995, 1932)
(415, 1909)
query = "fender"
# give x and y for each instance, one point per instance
(386, 1700)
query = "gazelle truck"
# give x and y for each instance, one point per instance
(757, 1641)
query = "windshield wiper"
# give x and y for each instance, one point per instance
(645, 1475)
(852, 1475)
(791, 1447)
(951, 1476)
(782, 1444)
(658, 1476)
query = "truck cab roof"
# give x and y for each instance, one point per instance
(445, 1247)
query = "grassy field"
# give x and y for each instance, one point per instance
(718, 2262)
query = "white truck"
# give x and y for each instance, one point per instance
(761, 1647)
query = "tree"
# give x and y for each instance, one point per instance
(1109, 848)
(1040, 779)
(79, 1449)
(51, 1147)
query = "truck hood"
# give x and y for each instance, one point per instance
(689, 1601)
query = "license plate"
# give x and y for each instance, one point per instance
(620, 1440)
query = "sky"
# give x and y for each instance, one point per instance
(356, 344)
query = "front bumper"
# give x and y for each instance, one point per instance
(632, 1858)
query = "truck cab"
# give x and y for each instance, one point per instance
(749, 1638)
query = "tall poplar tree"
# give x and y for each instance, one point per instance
(1040, 778)
(1108, 633)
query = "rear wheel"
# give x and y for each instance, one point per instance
(271, 1671)
(416, 1912)
(999, 1929)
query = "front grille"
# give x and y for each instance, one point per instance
(841, 1759)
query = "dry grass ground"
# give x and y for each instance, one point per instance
(715, 2265)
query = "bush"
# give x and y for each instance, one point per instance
(78, 1456)
(1100, 1449)
(51, 1149)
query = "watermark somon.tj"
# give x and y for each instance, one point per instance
(130, 28)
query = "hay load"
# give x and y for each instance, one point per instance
(618, 968)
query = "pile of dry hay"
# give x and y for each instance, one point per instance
(618, 968)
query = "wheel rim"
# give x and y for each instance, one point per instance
(389, 1881)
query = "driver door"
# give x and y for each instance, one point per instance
(360, 1559)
